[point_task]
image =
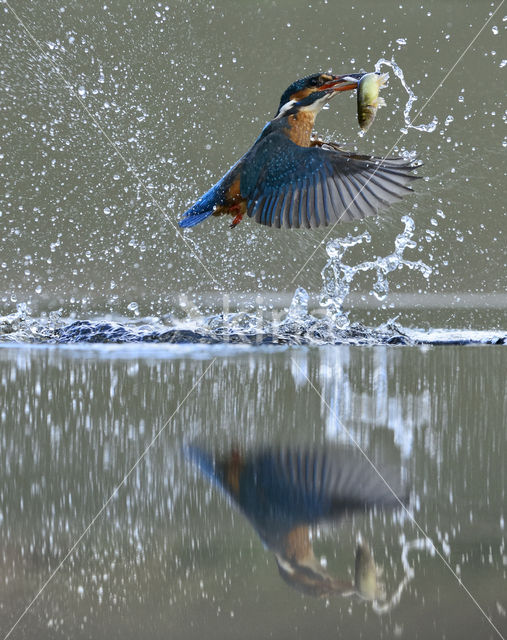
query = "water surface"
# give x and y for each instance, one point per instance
(172, 555)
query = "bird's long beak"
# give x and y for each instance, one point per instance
(343, 83)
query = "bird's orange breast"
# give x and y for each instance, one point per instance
(297, 545)
(300, 128)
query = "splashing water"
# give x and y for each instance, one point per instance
(21, 327)
(419, 544)
(337, 276)
(297, 327)
(431, 126)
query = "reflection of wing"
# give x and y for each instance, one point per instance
(283, 491)
(292, 186)
(313, 485)
(279, 489)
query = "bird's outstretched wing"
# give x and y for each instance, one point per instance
(292, 186)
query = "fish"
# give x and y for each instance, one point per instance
(366, 575)
(368, 100)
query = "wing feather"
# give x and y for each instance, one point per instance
(346, 214)
(302, 203)
(369, 206)
(320, 211)
(354, 208)
(288, 206)
(257, 208)
(365, 195)
(316, 186)
(327, 203)
(296, 205)
(278, 209)
(310, 205)
(268, 210)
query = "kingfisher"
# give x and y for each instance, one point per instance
(289, 179)
(285, 492)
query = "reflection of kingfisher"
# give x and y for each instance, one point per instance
(283, 492)
(287, 179)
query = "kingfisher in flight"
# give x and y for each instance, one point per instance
(289, 179)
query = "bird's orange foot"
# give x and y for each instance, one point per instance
(236, 220)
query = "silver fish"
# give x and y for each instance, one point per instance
(366, 575)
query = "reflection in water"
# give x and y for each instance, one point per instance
(420, 544)
(170, 558)
(284, 492)
(366, 575)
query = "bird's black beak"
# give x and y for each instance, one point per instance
(343, 83)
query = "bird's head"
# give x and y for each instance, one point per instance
(311, 104)
(317, 82)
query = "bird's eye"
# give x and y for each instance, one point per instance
(315, 82)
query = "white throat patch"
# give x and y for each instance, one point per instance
(285, 108)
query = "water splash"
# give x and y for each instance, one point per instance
(337, 276)
(297, 327)
(431, 126)
(20, 326)
(419, 544)
(298, 310)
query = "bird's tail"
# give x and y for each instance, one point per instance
(191, 219)
(201, 209)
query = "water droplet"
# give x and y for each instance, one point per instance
(82, 91)
(398, 72)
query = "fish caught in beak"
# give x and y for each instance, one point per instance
(343, 83)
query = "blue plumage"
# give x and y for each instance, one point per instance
(204, 207)
(286, 180)
(279, 489)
